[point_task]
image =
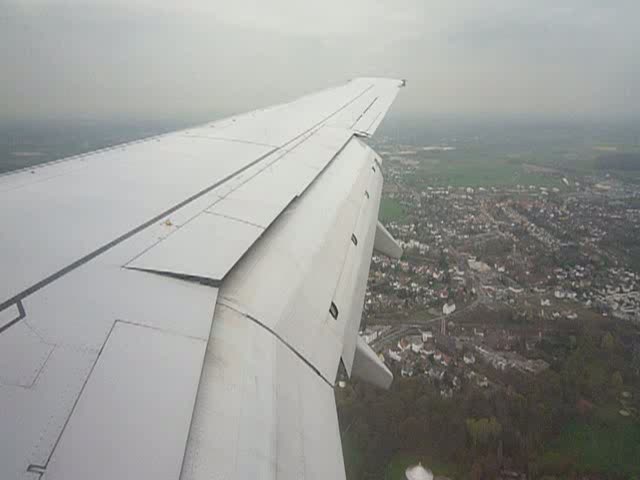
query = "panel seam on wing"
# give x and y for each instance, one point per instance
(209, 282)
(231, 306)
(364, 112)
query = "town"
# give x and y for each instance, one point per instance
(518, 291)
(487, 272)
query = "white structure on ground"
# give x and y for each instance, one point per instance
(418, 472)
(448, 308)
(478, 266)
(393, 355)
(426, 336)
(417, 344)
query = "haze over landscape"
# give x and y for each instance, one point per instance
(159, 59)
(512, 180)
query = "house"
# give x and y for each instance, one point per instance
(369, 335)
(445, 360)
(395, 356)
(535, 366)
(446, 393)
(407, 370)
(469, 358)
(478, 266)
(499, 363)
(448, 308)
(436, 373)
(426, 336)
(427, 352)
(416, 343)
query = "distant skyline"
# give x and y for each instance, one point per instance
(195, 59)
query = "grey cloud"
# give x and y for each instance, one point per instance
(200, 59)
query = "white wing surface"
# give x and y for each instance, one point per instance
(178, 307)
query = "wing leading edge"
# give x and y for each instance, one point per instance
(213, 276)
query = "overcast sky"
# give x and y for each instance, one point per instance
(199, 58)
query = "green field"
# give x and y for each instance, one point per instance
(504, 165)
(607, 443)
(391, 211)
(481, 172)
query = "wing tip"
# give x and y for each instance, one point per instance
(399, 82)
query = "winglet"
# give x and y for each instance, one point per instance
(369, 368)
(386, 244)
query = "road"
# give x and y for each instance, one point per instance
(411, 327)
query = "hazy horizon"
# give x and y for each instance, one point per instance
(141, 60)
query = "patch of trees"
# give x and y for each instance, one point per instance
(483, 431)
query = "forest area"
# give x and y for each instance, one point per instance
(564, 423)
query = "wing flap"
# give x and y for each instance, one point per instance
(369, 368)
(260, 411)
(275, 344)
(352, 284)
(386, 244)
(292, 273)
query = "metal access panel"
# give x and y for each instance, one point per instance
(133, 416)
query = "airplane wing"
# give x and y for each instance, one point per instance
(178, 306)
